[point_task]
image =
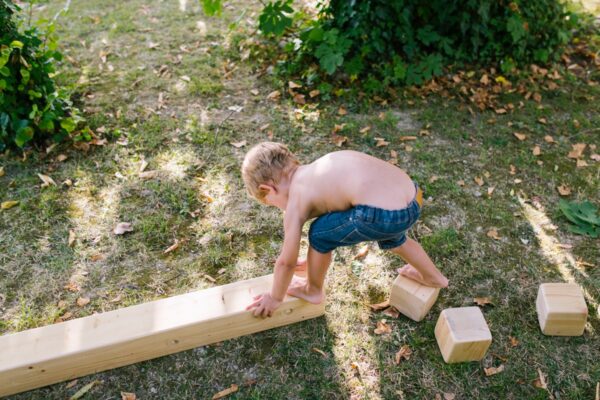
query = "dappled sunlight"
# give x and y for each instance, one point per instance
(551, 249)
(174, 163)
(182, 5)
(246, 268)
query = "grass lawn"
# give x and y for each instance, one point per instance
(167, 86)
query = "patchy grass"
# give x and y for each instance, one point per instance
(140, 99)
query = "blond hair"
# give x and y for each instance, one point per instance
(266, 163)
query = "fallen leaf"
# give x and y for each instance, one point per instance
(342, 111)
(210, 278)
(564, 190)
(490, 190)
(226, 392)
(581, 163)
(128, 396)
(314, 93)
(520, 136)
(513, 170)
(514, 342)
(493, 370)
(321, 352)
(536, 150)
(274, 95)
(542, 121)
(433, 178)
(517, 180)
(537, 97)
(541, 381)
(449, 396)
(66, 316)
(83, 301)
(186, 78)
(61, 158)
(8, 204)
(71, 238)
(339, 140)
(254, 92)
(84, 390)
(365, 129)
(391, 312)
(47, 181)
(362, 253)
(404, 353)
(478, 180)
(407, 138)
(493, 233)
(172, 247)
(482, 301)
(122, 228)
(152, 45)
(148, 174)
(460, 183)
(500, 110)
(299, 99)
(380, 306)
(381, 142)
(96, 257)
(294, 85)
(337, 128)
(116, 299)
(577, 150)
(239, 144)
(484, 79)
(72, 287)
(143, 165)
(382, 327)
(71, 384)
(549, 139)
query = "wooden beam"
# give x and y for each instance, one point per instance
(63, 351)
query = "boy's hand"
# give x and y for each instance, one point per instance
(264, 305)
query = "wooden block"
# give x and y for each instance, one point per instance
(561, 309)
(63, 351)
(411, 298)
(462, 334)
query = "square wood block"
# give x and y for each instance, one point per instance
(561, 309)
(462, 334)
(411, 298)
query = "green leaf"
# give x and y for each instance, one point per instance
(514, 26)
(15, 44)
(23, 136)
(68, 124)
(25, 74)
(212, 7)
(273, 19)
(4, 71)
(329, 59)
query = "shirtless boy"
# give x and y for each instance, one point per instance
(354, 198)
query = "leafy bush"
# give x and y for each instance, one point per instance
(583, 216)
(32, 108)
(380, 43)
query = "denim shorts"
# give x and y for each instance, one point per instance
(363, 223)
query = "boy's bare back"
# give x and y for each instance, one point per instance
(341, 180)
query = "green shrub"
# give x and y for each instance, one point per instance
(32, 108)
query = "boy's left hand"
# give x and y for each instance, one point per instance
(264, 305)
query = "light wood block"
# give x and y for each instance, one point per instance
(63, 351)
(561, 309)
(462, 334)
(411, 298)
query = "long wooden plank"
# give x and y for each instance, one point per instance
(63, 351)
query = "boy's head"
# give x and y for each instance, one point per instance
(265, 165)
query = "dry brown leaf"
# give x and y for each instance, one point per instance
(321, 352)
(500, 110)
(47, 181)
(382, 327)
(61, 304)
(338, 140)
(122, 228)
(581, 163)
(148, 174)
(362, 253)
(478, 180)
(514, 342)
(520, 136)
(490, 190)
(540, 382)
(254, 92)
(72, 287)
(493, 233)
(407, 138)
(8, 204)
(314, 93)
(380, 306)
(66, 316)
(493, 370)
(391, 312)
(381, 142)
(564, 190)
(549, 139)
(143, 165)
(404, 353)
(128, 396)
(342, 111)
(365, 129)
(513, 169)
(517, 180)
(460, 183)
(72, 238)
(484, 79)
(238, 145)
(299, 99)
(274, 95)
(116, 299)
(536, 150)
(337, 128)
(537, 97)
(294, 85)
(433, 178)
(424, 132)
(83, 301)
(172, 247)
(61, 158)
(263, 127)
(482, 301)
(97, 257)
(543, 121)
(226, 392)
(71, 384)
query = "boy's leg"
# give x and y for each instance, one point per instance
(311, 288)
(421, 268)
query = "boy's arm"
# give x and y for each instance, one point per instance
(286, 262)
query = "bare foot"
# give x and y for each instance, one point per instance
(299, 288)
(410, 272)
